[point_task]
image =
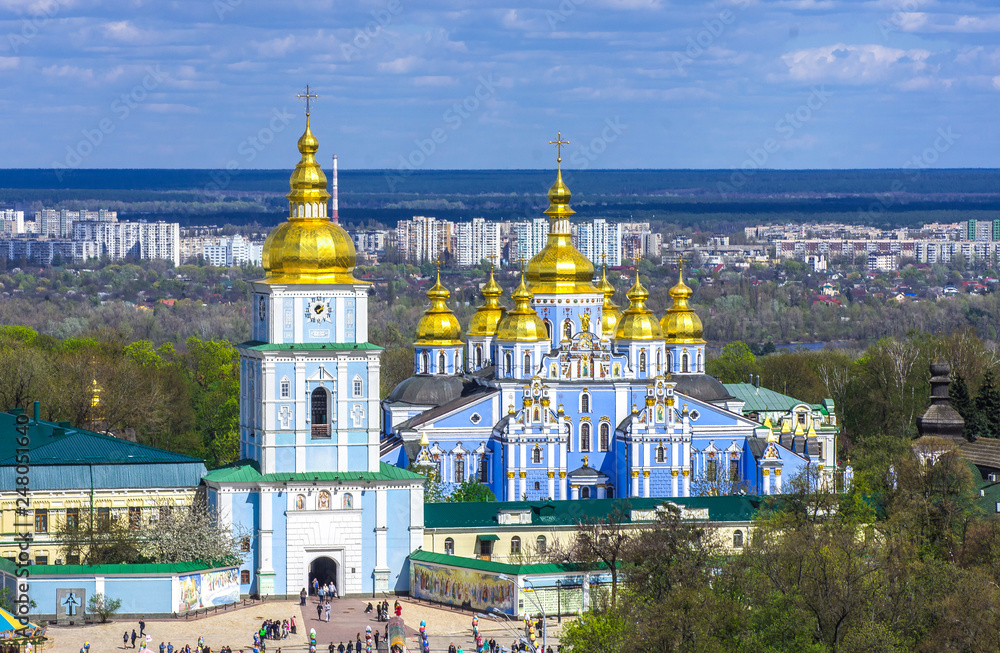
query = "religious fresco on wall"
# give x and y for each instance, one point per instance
(209, 589)
(473, 590)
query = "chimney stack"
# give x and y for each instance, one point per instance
(336, 213)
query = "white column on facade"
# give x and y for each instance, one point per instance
(510, 473)
(602, 492)
(343, 414)
(522, 484)
(265, 540)
(645, 483)
(381, 528)
(268, 417)
(634, 490)
(416, 516)
(767, 480)
(777, 480)
(574, 492)
(301, 412)
(687, 482)
(372, 412)
(673, 482)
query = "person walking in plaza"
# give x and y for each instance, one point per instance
(319, 611)
(315, 584)
(142, 626)
(134, 637)
(302, 596)
(293, 624)
(125, 640)
(327, 611)
(333, 649)
(163, 648)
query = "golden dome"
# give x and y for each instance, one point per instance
(560, 267)
(638, 322)
(522, 323)
(610, 315)
(486, 319)
(681, 324)
(309, 248)
(438, 326)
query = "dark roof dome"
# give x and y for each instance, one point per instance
(701, 386)
(430, 389)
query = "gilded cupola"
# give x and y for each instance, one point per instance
(309, 248)
(521, 323)
(681, 325)
(484, 322)
(610, 315)
(638, 322)
(438, 326)
(560, 267)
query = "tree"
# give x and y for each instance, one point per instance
(471, 490)
(986, 423)
(958, 396)
(169, 537)
(607, 632)
(602, 540)
(736, 364)
(103, 606)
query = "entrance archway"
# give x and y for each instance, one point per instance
(324, 570)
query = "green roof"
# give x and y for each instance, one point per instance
(107, 570)
(258, 345)
(247, 471)
(499, 567)
(758, 400)
(568, 513)
(53, 443)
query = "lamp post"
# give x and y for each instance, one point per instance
(516, 635)
(534, 599)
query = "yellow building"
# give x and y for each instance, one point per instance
(52, 472)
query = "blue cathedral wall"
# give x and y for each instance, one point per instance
(245, 511)
(398, 538)
(368, 513)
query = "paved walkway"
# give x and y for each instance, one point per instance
(236, 629)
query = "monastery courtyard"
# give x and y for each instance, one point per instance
(236, 628)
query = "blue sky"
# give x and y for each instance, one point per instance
(465, 84)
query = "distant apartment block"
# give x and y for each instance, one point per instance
(43, 251)
(13, 221)
(988, 230)
(227, 251)
(138, 240)
(530, 237)
(370, 243)
(599, 241)
(888, 252)
(477, 241)
(423, 239)
(58, 223)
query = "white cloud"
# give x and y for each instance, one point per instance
(122, 31)
(434, 80)
(996, 82)
(9, 63)
(399, 66)
(854, 64)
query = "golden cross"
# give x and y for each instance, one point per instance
(307, 97)
(559, 142)
(492, 258)
(521, 261)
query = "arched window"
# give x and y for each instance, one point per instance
(515, 545)
(286, 388)
(358, 386)
(449, 546)
(479, 356)
(659, 361)
(536, 455)
(584, 403)
(670, 362)
(568, 330)
(483, 470)
(610, 491)
(527, 363)
(425, 363)
(684, 362)
(642, 360)
(585, 437)
(320, 414)
(585, 493)
(548, 329)
(540, 544)
(605, 436)
(508, 362)
(244, 577)
(699, 368)
(459, 470)
(442, 366)
(569, 437)
(661, 455)
(737, 539)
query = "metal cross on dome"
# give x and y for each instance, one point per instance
(307, 96)
(559, 142)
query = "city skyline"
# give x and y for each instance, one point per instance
(630, 83)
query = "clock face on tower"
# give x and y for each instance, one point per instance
(319, 310)
(261, 308)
